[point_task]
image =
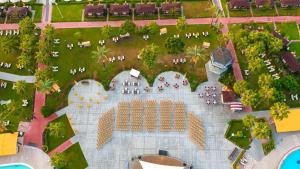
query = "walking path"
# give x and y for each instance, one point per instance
(235, 65)
(14, 78)
(61, 148)
(231, 20)
(39, 123)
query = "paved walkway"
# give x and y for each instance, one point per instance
(32, 156)
(61, 148)
(39, 123)
(14, 78)
(230, 20)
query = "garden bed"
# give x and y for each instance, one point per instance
(244, 140)
(75, 157)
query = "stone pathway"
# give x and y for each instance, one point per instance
(61, 148)
(15, 78)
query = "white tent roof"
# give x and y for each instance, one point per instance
(3, 1)
(147, 165)
(14, 1)
(25, 0)
(134, 73)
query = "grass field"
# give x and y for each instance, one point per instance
(289, 30)
(81, 57)
(263, 11)
(295, 47)
(75, 157)
(231, 134)
(196, 9)
(70, 12)
(25, 113)
(38, 8)
(288, 11)
(51, 141)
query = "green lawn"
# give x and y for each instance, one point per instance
(263, 11)
(81, 57)
(240, 13)
(146, 17)
(51, 141)
(70, 12)
(25, 113)
(231, 134)
(75, 157)
(196, 9)
(288, 11)
(289, 30)
(38, 8)
(119, 18)
(295, 47)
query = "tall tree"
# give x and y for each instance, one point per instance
(149, 55)
(255, 64)
(9, 44)
(265, 80)
(25, 60)
(27, 43)
(56, 129)
(44, 85)
(59, 160)
(49, 33)
(181, 24)
(249, 120)
(20, 87)
(240, 86)
(267, 93)
(107, 32)
(128, 27)
(261, 130)
(26, 26)
(195, 53)
(174, 45)
(100, 54)
(249, 98)
(279, 111)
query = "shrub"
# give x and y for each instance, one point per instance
(227, 78)
(47, 111)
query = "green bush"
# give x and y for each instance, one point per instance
(47, 110)
(268, 147)
(227, 78)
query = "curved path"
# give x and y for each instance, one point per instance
(265, 19)
(32, 156)
(14, 78)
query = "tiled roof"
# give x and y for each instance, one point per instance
(290, 2)
(239, 4)
(119, 8)
(228, 96)
(170, 6)
(20, 11)
(291, 61)
(222, 55)
(145, 8)
(94, 9)
(264, 2)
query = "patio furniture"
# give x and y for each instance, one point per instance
(134, 73)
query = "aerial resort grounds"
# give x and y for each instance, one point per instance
(167, 84)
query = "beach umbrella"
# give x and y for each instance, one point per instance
(3, 1)
(14, 1)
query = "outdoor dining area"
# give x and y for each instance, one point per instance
(179, 80)
(209, 94)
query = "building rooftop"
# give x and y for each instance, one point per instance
(239, 4)
(94, 9)
(291, 61)
(290, 2)
(119, 8)
(170, 6)
(8, 143)
(145, 8)
(221, 55)
(291, 123)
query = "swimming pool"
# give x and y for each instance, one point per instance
(15, 166)
(292, 160)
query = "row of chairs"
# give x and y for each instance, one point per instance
(136, 116)
(105, 128)
(150, 115)
(123, 116)
(179, 117)
(196, 131)
(165, 115)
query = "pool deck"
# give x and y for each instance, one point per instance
(32, 156)
(272, 161)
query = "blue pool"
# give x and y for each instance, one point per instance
(14, 166)
(292, 161)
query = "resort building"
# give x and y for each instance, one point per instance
(291, 61)
(119, 9)
(145, 9)
(158, 162)
(289, 124)
(8, 144)
(220, 60)
(239, 4)
(17, 12)
(289, 3)
(171, 8)
(94, 11)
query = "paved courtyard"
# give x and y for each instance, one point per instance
(87, 102)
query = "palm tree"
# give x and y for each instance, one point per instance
(20, 87)
(265, 80)
(279, 111)
(44, 85)
(267, 93)
(261, 130)
(194, 53)
(249, 120)
(100, 54)
(59, 160)
(55, 129)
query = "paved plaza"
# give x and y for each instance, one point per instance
(88, 101)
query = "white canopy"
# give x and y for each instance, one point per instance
(14, 1)
(147, 165)
(25, 0)
(3, 1)
(134, 73)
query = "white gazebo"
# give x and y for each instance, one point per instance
(147, 165)
(3, 1)
(135, 73)
(25, 1)
(14, 1)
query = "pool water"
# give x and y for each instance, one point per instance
(292, 161)
(14, 166)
